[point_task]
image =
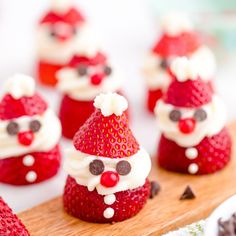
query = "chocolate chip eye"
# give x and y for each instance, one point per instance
(52, 33)
(123, 168)
(175, 115)
(96, 167)
(200, 115)
(107, 70)
(82, 70)
(35, 126)
(164, 64)
(74, 30)
(13, 128)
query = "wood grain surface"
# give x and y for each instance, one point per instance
(160, 215)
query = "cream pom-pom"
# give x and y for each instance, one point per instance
(20, 85)
(111, 103)
(176, 23)
(61, 6)
(184, 69)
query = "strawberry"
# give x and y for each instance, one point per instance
(106, 136)
(189, 94)
(10, 225)
(73, 114)
(47, 72)
(89, 206)
(11, 108)
(186, 43)
(14, 170)
(153, 97)
(213, 154)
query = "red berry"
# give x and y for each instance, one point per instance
(119, 140)
(187, 126)
(10, 224)
(96, 79)
(109, 179)
(45, 165)
(26, 138)
(213, 154)
(89, 205)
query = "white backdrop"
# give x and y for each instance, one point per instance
(127, 29)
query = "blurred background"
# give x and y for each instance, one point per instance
(127, 29)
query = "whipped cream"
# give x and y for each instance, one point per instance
(61, 6)
(176, 23)
(19, 86)
(77, 166)
(57, 52)
(80, 88)
(111, 103)
(216, 119)
(45, 139)
(156, 78)
(184, 69)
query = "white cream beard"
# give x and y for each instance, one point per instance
(205, 63)
(81, 88)
(44, 140)
(77, 166)
(56, 52)
(155, 76)
(216, 119)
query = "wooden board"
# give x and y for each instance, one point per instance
(160, 215)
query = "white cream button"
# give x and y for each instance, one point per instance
(191, 153)
(193, 168)
(28, 160)
(108, 213)
(110, 199)
(31, 176)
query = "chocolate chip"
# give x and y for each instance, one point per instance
(82, 70)
(74, 30)
(187, 194)
(96, 167)
(13, 128)
(155, 189)
(52, 33)
(164, 64)
(200, 115)
(107, 70)
(175, 115)
(35, 126)
(123, 168)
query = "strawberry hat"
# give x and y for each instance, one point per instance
(20, 99)
(178, 37)
(187, 90)
(106, 133)
(97, 59)
(63, 12)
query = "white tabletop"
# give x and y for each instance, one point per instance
(128, 29)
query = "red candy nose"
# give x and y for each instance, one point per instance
(26, 138)
(63, 38)
(187, 125)
(109, 179)
(96, 79)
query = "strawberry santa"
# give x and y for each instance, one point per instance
(192, 120)
(107, 168)
(29, 134)
(59, 31)
(178, 39)
(81, 81)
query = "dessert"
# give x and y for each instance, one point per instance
(192, 120)
(29, 134)
(178, 39)
(222, 221)
(62, 30)
(107, 168)
(81, 81)
(10, 225)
